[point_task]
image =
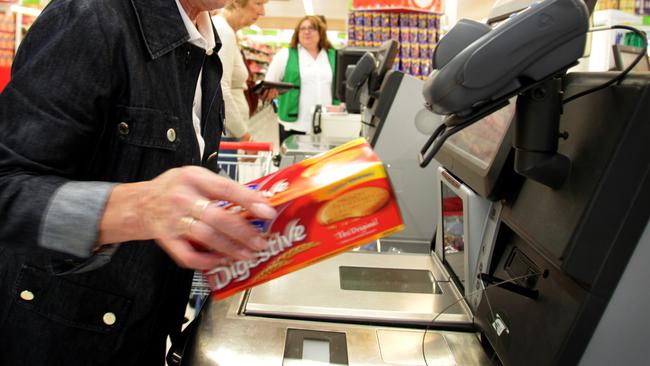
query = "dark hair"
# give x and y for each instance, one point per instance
(323, 43)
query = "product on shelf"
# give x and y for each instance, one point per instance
(417, 32)
(639, 7)
(258, 57)
(398, 5)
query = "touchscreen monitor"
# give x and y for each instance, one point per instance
(477, 154)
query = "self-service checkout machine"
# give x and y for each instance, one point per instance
(553, 265)
(561, 246)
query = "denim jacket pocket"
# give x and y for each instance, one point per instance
(148, 127)
(145, 142)
(69, 304)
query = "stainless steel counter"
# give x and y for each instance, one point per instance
(271, 324)
(226, 337)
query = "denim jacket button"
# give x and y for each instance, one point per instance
(109, 318)
(123, 128)
(171, 135)
(27, 295)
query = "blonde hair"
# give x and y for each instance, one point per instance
(241, 4)
(320, 27)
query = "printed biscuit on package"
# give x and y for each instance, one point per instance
(326, 204)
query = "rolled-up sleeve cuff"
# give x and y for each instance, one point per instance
(71, 223)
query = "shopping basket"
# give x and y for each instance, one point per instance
(243, 162)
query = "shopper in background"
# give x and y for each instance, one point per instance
(309, 62)
(109, 103)
(235, 16)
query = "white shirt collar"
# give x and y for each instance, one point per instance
(203, 36)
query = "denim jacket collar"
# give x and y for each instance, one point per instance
(162, 27)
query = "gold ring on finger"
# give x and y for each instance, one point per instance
(186, 224)
(198, 209)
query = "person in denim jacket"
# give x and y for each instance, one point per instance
(109, 130)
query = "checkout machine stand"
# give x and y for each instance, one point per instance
(569, 252)
(568, 247)
(569, 228)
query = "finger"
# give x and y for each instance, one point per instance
(215, 187)
(232, 226)
(207, 237)
(185, 255)
(199, 207)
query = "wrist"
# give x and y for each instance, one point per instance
(122, 219)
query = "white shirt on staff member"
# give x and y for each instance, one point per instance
(315, 84)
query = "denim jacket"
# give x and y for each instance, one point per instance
(101, 91)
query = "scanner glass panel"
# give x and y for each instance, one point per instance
(387, 280)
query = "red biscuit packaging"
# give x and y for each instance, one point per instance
(326, 204)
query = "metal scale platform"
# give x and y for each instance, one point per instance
(312, 317)
(366, 287)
